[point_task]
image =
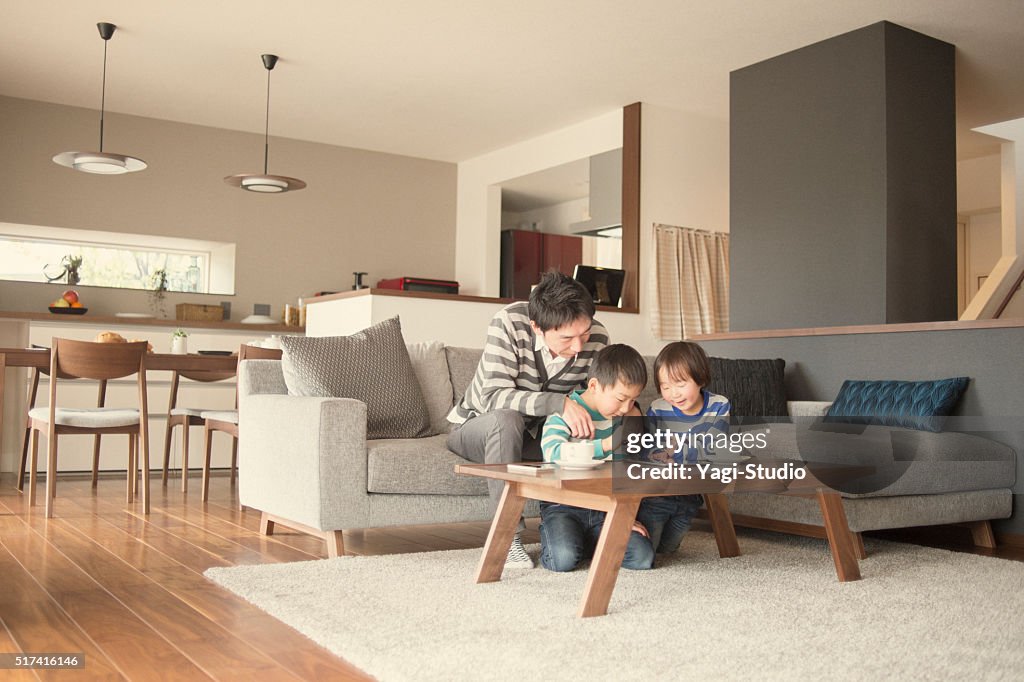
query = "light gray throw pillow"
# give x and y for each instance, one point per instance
(372, 366)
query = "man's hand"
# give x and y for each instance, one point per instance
(577, 419)
(640, 528)
(663, 456)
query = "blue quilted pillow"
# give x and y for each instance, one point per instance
(918, 405)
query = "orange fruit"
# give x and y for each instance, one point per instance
(77, 304)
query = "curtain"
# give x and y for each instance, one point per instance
(691, 282)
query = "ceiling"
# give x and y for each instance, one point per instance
(547, 187)
(450, 79)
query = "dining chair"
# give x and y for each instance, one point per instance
(226, 421)
(33, 390)
(102, 362)
(185, 417)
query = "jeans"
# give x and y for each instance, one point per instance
(497, 437)
(568, 535)
(668, 518)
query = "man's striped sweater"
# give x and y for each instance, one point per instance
(511, 373)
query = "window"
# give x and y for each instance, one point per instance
(31, 253)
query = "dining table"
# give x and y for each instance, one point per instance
(40, 358)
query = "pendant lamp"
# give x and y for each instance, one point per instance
(266, 183)
(105, 163)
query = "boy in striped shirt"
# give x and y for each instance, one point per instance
(537, 352)
(682, 370)
(569, 534)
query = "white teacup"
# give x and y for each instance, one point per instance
(577, 453)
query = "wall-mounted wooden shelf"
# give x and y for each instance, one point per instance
(111, 320)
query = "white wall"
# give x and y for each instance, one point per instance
(978, 208)
(977, 184)
(456, 323)
(382, 213)
(1010, 267)
(684, 180)
(478, 205)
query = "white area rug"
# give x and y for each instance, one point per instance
(776, 612)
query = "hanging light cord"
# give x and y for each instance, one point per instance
(103, 96)
(266, 129)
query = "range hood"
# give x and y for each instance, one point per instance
(605, 197)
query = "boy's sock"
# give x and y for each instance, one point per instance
(517, 556)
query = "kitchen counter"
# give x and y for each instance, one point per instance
(452, 319)
(344, 295)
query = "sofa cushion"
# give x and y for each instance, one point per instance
(431, 368)
(910, 404)
(755, 388)
(417, 466)
(462, 364)
(879, 512)
(372, 366)
(904, 461)
(650, 392)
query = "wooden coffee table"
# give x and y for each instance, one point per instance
(601, 489)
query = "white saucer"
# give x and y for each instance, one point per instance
(724, 459)
(592, 464)
(138, 315)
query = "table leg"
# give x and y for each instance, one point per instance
(3, 376)
(611, 547)
(840, 540)
(499, 539)
(721, 524)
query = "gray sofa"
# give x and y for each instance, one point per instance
(922, 478)
(305, 463)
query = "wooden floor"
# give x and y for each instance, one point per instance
(128, 591)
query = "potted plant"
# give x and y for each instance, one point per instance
(69, 266)
(179, 342)
(159, 292)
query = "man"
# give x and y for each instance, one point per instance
(536, 354)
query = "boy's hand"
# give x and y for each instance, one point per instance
(640, 528)
(577, 419)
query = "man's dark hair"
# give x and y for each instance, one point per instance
(559, 300)
(619, 362)
(683, 357)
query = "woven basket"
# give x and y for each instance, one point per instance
(197, 312)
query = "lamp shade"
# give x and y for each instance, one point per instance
(267, 184)
(264, 182)
(101, 162)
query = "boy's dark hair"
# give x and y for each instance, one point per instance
(559, 300)
(619, 362)
(683, 356)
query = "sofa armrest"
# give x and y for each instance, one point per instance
(808, 408)
(304, 459)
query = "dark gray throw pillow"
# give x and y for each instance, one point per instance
(372, 366)
(755, 388)
(919, 405)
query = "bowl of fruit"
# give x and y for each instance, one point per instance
(68, 304)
